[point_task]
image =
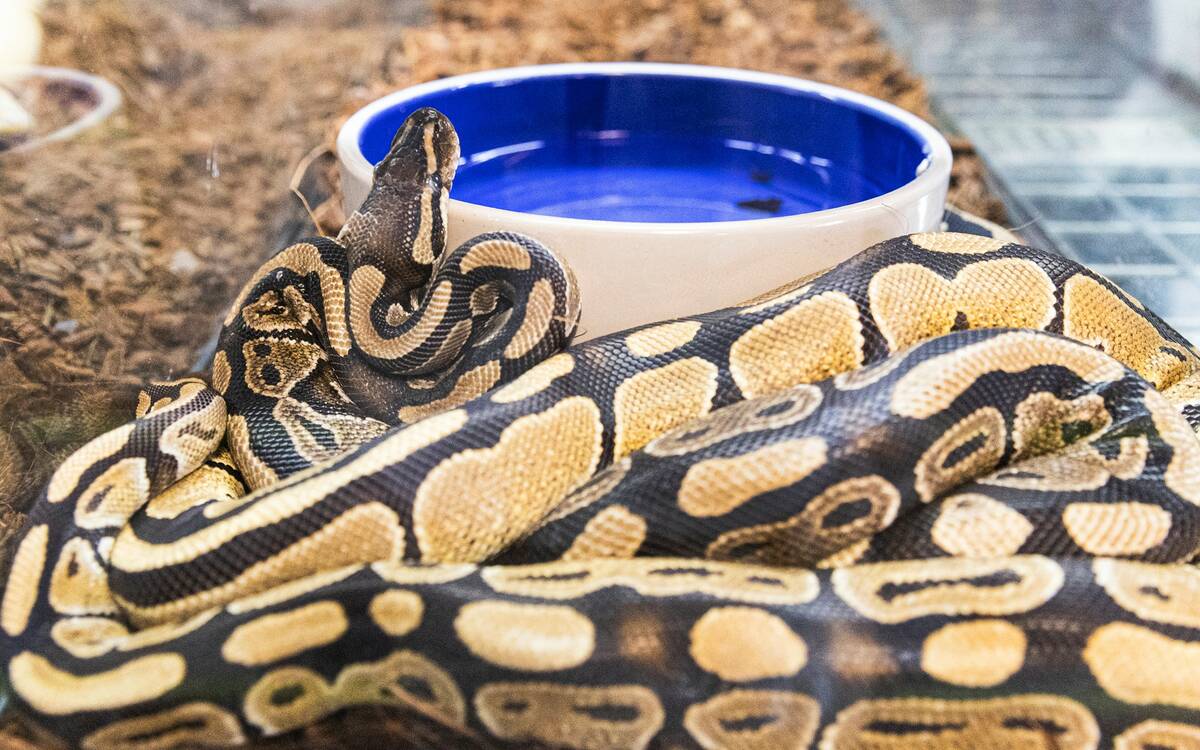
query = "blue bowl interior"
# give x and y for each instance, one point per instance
(662, 148)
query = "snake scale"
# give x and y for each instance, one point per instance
(944, 495)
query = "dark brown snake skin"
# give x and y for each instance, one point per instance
(944, 495)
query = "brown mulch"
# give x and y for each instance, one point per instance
(120, 250)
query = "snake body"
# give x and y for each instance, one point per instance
(946, 494)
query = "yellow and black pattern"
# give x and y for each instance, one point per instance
(944, 495)
(986, 470)
(332, 341)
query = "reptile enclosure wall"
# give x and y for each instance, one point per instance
(120, 250)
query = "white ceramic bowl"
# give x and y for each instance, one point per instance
(107, 98)
(635, 272)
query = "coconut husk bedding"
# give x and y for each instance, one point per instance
(120, 249)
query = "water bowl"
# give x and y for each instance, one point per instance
(61, 101)
(670, 189)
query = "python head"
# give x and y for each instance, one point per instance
(407, 202)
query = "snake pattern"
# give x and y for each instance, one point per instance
(944, 495)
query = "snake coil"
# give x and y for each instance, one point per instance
(944, 495)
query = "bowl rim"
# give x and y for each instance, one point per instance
(936, 172)
(108, 98)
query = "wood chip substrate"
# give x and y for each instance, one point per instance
(121, 248)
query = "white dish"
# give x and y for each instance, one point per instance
(635, 272)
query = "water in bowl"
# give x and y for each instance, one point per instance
(662, 148)
(621, 176)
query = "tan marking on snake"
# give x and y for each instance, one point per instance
(912, 303)
(281, 635)
(204, 485)
(1126, 528)
(387, 681)
(528, 637)
(656, 577)
(471, 385)
(365, 533)
(304, 698)
(165, 633)
(1154, 734)
(982, 653)
(348, 431)
(277, 310)
(855, 380)
(970, 448)
(663, 338)
(197, 723)
(1097, 316)
(564, 715)
(1138, 665)
(1186, 392)
(1079, 467)
(87, 637)
(933, 385)
(50, 690)
(365, 285)
(956, 242)
(291, 590)
(406, 573)
(974, 525)
(845, 557)
(396, 314)
(65, 479)
(601, 483)
(536, 379)
(1183, 472)
(114, 496)
(221, 373)
(764, 413)
(294, 496)
(304, 259)
(654, 401)
(517, 475)
(384, 682)
(451, 346)
(1015, 721)
(21, 591)
(1041, 417)
(1158, 593)
(781, 352)
(258, 475)
(397, 612)
(539, 311)
(79, 582)
(275, 366)
(807, 537)
(754, 720)
(716, 486)
(422, 247)
(742, 644)
(495, 253)
(484, 298)
(614, 532)
(948, 586)
(774, 298)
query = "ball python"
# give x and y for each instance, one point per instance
(943, 495)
